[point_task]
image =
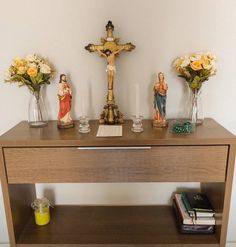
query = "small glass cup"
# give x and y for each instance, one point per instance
(41, 209)
(84, 125)
(137, 124)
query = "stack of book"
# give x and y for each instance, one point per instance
(194, 213)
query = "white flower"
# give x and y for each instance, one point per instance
(7, 74)
(213, 63)
(32, 65)
(31, 58)
(213, 71)
(177, 62)
(195, 57)
(207, 66)
(45, 69)
(211, 56)
(185, 62)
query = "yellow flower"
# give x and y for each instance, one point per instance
(21, 70)
(32, 72)
(196, 65)
(206, 63)
(17, 62)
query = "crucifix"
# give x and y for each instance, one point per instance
(110, 49)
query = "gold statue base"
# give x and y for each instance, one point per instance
(111, 115)
(159, 124)
(65, 125)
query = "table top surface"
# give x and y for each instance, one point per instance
(210, 132)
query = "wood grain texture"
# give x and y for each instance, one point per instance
(215, 192)
(227, 194)
(21, 197)
(47, 154)
(210, 132)
(159, 164)
(6, 199)
(119, 245)
(113, 225)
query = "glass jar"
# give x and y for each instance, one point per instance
(41, 209)
(37, 113)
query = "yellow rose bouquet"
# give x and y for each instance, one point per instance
(196, 68)
(31, 71)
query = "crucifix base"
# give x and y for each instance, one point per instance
(111, 115)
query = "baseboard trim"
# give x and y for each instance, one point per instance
(229, 244)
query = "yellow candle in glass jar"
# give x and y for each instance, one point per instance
(41, 211)
(42, 218)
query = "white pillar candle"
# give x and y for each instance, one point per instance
(137, 110)
(83, 101)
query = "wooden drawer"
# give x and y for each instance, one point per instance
(154, 164)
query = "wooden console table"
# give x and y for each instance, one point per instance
(49, 155)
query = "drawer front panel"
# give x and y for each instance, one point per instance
(157, 164)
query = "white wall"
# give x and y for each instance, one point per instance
(161, 30)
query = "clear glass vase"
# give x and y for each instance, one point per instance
(37, 113)
(196, 111)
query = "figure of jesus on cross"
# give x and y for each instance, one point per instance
(109, 49)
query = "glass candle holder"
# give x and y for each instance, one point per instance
(84, 125)
(137, 124)
(41, 211)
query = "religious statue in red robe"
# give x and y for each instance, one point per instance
(65, 98)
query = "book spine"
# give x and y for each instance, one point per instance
(175, 201)
(191, 229)
(203, 210)
(196, 229)
(199, 202)
(186, 204)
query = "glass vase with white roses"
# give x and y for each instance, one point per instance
(33, 72)
(196, 68)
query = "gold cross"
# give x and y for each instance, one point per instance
(109, 49)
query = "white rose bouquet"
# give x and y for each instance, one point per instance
(196, 68)
(32, 71)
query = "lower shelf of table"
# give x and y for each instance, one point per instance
(111, 226)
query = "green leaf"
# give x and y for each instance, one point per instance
(196, 79)
(39, 78)
(47, 77)
(182, 76)
(33, 79)
(31, 88)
